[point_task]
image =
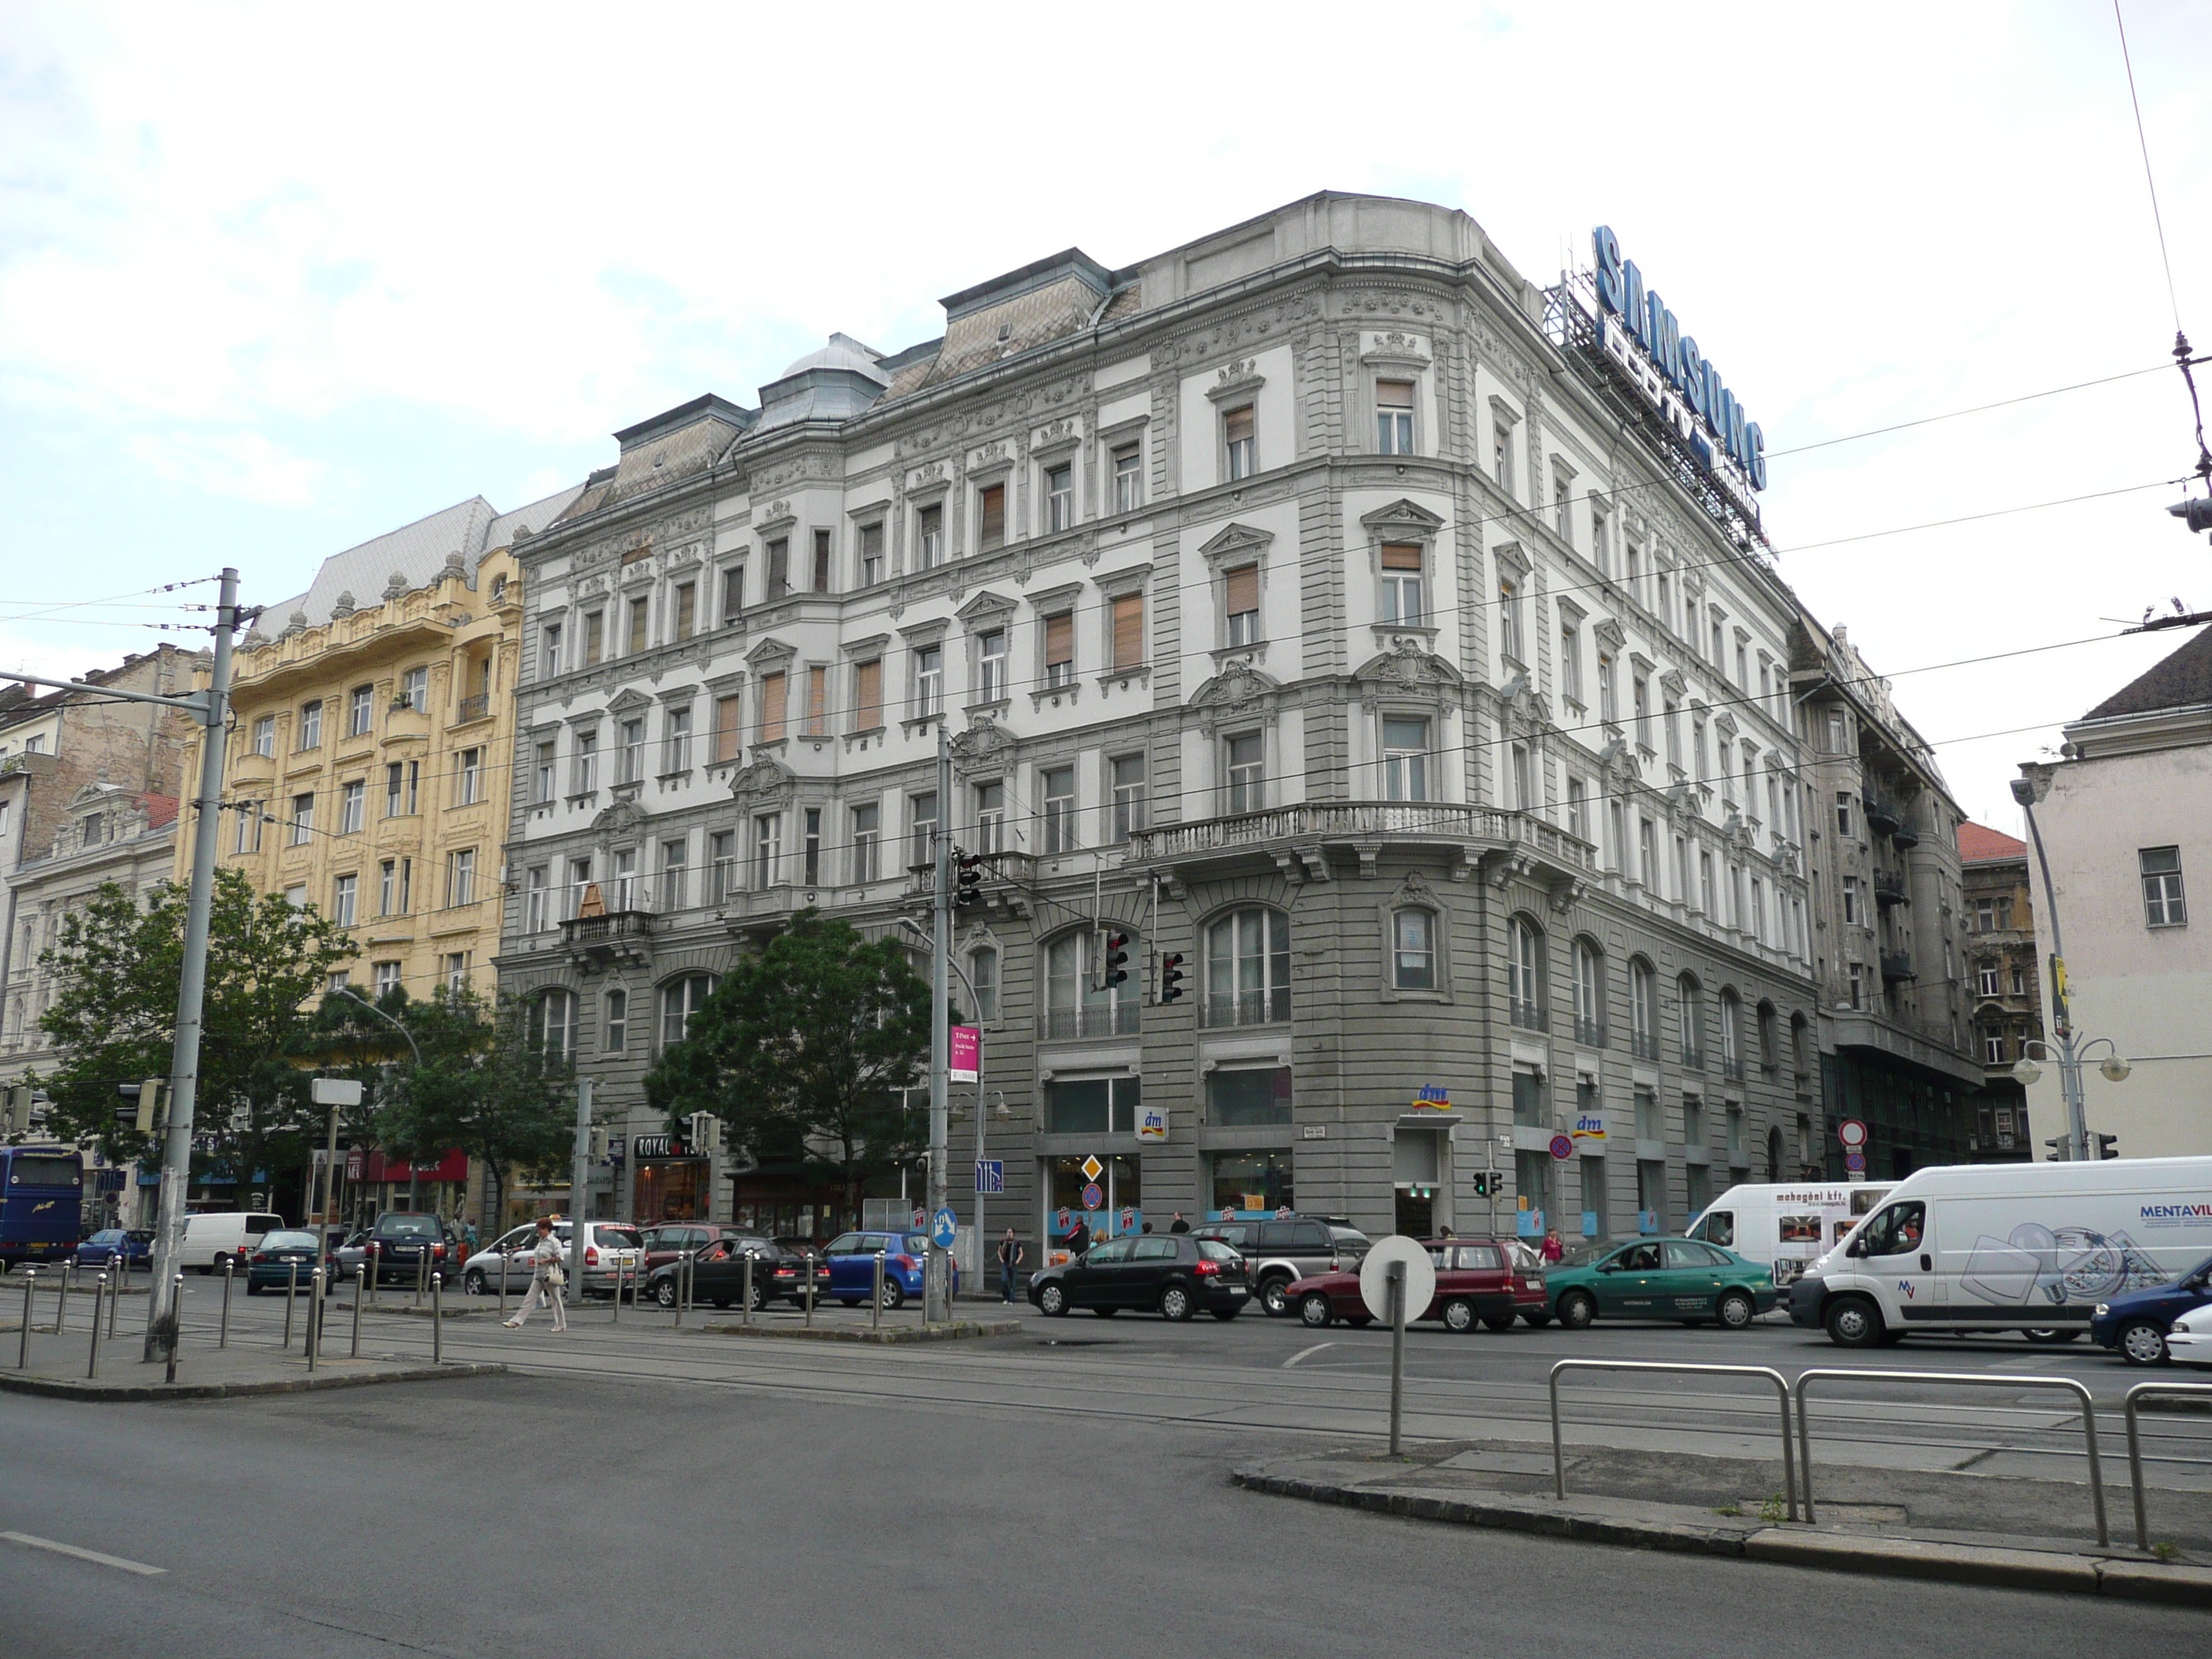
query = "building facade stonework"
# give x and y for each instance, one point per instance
(2004, 986)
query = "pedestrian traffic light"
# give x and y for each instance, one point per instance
(703, 1131)
(968, 880)
(1170, 975)
(1113, 958)
(2107, 1145)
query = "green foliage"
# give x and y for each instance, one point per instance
(802, 1050)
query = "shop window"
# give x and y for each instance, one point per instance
(1092, 1105)
(1248, 1096)
(1247, 1183)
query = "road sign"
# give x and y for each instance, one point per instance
(1562, 1146)
(990, 1174)
(1421, 1277)
(1854, 1162)
(1852, 1133)
(1094, 1196)
(1092, 1169)
(947, 1229)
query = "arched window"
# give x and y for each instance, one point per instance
(553, 1024)
(1690, 997)
(1525, 973)
(1731, 1044)
(680, 998)
(1589, 993)
(1414, 949)
(1248, 968)
(1642, 1009)
(1800, 1054)
(1769, 1056)
(1774, 1153)
(1075, 1006)
(614, 1024)
(983, 978)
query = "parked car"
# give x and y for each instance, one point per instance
(1680, 1279)
(609, 1247)
(271, 1266)
(1532, 1300)
(1278, 1251)
(2135, 1322)
(133, 1247)
(1177, 1274)
(2189, 1338)
(213, 1237)
(1477, 1279)
(670, 1239)
(852, 1263)
(409, 1245)
(718, 1274)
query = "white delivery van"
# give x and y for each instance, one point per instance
(229, 1235)
(2009, 1246)
(1785, 1227)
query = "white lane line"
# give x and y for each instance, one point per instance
(139, 1567)
(1306, 1353)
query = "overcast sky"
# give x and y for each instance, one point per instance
(274, 280)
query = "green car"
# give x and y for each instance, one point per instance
(1662, 1278)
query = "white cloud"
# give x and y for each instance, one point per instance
(245, 464)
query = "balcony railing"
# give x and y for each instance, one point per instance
(1589, 1033)
(1248, 1008)
(1693, 1059)
(1882, 814)
(1897, 965)
(1096, 1019)
(473, 709)
(1643, 1045)
(612, 928)
(1891, 889)
(1733, 1069)
(1530, 1016)
(1326, 821)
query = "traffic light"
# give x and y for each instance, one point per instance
(2198, 515)
(968, 877)
(2062, 1148)
(16, 1109)
(703, 1131)
(1113, 957)
(149, 1105)
(2107, 1145)
(1488, 1183)
(595, 1145)
(1170, 975)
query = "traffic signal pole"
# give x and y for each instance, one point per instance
(937, 1282)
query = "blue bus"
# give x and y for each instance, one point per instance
(42, 1200)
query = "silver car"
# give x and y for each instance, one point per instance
(609, 1247)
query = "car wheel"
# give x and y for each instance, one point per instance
(2143, 1343)
(1501, 1323)
(1737, 1310)
(1177, 1304)
(894, 1295)
(1104, 1313)
(1314, 1311)
(1360, 1322)
(1224, 1315)
(2052, 1337)
(1854, 1323)
(721, 1302)
(1053, 1301)
(760, 1297)
(1576, 1310)
(1459, 1316)
(473, 1283)
(664, 1292)
(1274, 1296)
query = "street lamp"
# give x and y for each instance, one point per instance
(2062, 1022)
(413, 1189)
(975, 1004)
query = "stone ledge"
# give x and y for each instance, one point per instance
(65, 1389)
(959, 1330)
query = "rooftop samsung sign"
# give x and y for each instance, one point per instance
(1642, 336)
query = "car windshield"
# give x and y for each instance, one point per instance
(407, 1226)
(287, 1241)
(620, 1238)
(1581, 1255)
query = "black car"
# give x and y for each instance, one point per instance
(1177, 1274)
(278, 1256)
(719, 1275)
(408, 1245)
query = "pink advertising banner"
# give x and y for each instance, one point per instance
(964, 1062)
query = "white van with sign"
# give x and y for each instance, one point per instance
(1786, 1227)
(2008, 1247)
(212, 1238)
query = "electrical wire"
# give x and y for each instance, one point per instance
(2157, 218)
(1978, 408)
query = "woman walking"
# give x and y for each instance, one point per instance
(547, 1279)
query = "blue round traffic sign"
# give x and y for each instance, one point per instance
(1854, 1162)
(1094, 1196)
(947, 1229)
(1562, 1147)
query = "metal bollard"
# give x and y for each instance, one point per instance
(176, 1295)
(746, 1307)
(618, 1279)
(421, 1270)
(91, 1364)
(676, 1284)
(370, 1269)
(315, 1317)
(810, 1287)
(30, 1284)
(437, 1320)
(61, 1303)
(876, 1316)
(690, 1280)
(291, 1295)
(222, 1339)
(360, 1286)
(122, 1278)
(502, 1286)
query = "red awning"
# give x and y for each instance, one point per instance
(453, 1166)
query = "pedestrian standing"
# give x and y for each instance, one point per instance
(547, 1279)
(1178, 1226)
(1010, 1262)
(1553, 1250)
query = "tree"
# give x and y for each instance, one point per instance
(115, 1021)
(803, 1050)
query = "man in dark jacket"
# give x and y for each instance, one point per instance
(1178, 1226)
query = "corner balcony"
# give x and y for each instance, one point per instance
(617, 936)
(1299, 840)
(1896, 965)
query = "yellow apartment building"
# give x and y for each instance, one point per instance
(373, 729)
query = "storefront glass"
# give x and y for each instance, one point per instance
(1121, 1191)
(671, 1189)
(1092, 1105)
(1242, 1098)
(1250, 1183)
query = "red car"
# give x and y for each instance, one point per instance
(1476, 1280)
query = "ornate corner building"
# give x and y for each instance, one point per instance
(1298, 602)
(2004, 989)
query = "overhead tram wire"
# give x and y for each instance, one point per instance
(1978, 408)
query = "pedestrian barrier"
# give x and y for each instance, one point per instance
(30, 1285)
(1840, 1374)
(314, 1317)
(91, 1364)
(223, 1338)
(437, 1319)
(291, 1295)
(2192, 1390)
(360, 1287)
(746, 1307)
(1782, 1395)
(876, 1316)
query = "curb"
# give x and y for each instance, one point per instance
(58, 1388)
(1907, 1558)
(425, 1313)
(960, 1330)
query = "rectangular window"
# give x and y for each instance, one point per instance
(1509, 620)
(1236, 433)
(1851, 901)
(1642, 697)
(457, 969)
(1128, 780)
(867, 835)
(249, 828)
(359, 702)
(1993, 1048)
(1128, 630)
(1402, 599)
(1579, 809)
(868, 695)
(387, 978)
(1671, 713)
(687, 610)
(810, 850)
(991, 817)
(1647, 849)
(674, 880)
(1836, 731)
(541, 773)
(461, 877)
(615, 1027)
(729, 734)
(922, 829)
(772, 687)
(1248, 1096)
(1060, 649)
(778, 570)
(817, 701)
(353, 807)
(768, 848)
(1060, 498)
(1523, 781)
(1843, 808)
(1571, 662)
(929, 536)
(1129, 477)
(991, 666)
(1708, 900)
(872, 553)
(549, 650)
(536, 896)
(721, 866)
(821, 561)
(928, 681)
(636, 640)
(1240, 604)
(345, 892)
(1059, 789)
(303, 819)
(983, 979)
(1561, 508)
(991, 518)
(1609, 692)
(1405, 758)
(586, 766)
(2163, 905)
(264, 735)
(1985, 980)
(311, 725)
(468, 779)
(623, 892)
(1394, 417)
(629, 738)
(676, 742)
(1529, 1110)
(1601, 543)
(733, 594)
(1246, 766)
(595, 637)
(1413, 950)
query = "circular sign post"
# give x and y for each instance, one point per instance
(1854, 1162)
(1094, 1196)
(1562, 1146)
(947, 1229)
(1421, 1277)
(1852, 1133)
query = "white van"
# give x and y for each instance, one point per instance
(1786, 1228)
(2009, 1246)
(213, 1237)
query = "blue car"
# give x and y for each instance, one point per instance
(133, 1246)
(852, 1258)
(2135, 1323)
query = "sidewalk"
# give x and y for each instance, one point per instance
(1919, 1523)
(57, 1364)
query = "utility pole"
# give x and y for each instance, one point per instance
(936, 1302)
(2061, 1021)
(579, 1188)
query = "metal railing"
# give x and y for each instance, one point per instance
(1362, 820)
(1645, 1045)
(1589, 1033)
(1732, 1069)
(2192, 1390)
(472, 709)
(1530, 1016)
(607, 929)
(2079, 1391)
(1248, 1008)
(1693, 1059)
(1782, 1393)
(1896, 965)
(1120, 1018)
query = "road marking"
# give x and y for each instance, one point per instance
(1305, 1353)
(139, 1567)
